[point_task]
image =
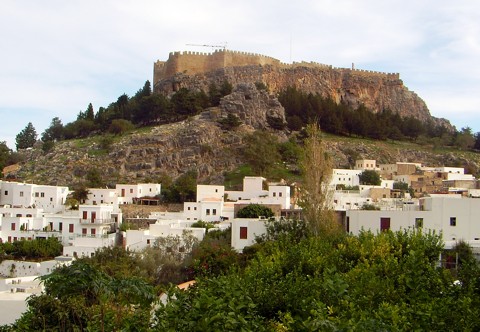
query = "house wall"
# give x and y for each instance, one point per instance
(436, 213)
(210, 192)
(255, 227)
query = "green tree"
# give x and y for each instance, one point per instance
(465, 139)
(89, 113)
(255, 211)
(316, 167)
(54, 132)
(120, 126)
(370, 177)
(26, 138)
(260, 152)
(94, 178)
(5, 153)
(230, 122)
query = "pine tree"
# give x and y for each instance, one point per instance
(26, 138)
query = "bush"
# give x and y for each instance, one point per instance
(255, 211)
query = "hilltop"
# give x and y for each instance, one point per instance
(205, 108)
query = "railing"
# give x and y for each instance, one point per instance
(97, 221)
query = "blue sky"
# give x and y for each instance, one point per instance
(59, 56)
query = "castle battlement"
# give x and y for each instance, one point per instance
(192, 63)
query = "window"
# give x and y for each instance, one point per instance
(214, 212)
(453, 221)
(243, 233)
(418, 222)
(93, 231)
(274, 194)
(51, 199)
(216, 190)
(21, 194)
(42, 194)
(94, 216)
(148, 241)
(6, 192)
(194, 208)
(71, 228)
(84, 231)
(84, 215)
(60, 226)
(279, 194)
(131, 191)
(36, 194)
(12, 227)
(384, 224)
(188, 208)
(208, 212)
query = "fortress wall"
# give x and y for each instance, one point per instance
(192, 63)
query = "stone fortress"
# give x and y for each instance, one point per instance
(193, 63)
(377, 91)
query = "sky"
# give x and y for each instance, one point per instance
(58, 56)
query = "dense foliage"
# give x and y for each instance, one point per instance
(255, 211)
(370, 177)
(32, 249)
(302, 108)
(388, 282)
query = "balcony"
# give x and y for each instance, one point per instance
(97, 221)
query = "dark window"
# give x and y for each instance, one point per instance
(384, 224)
(208, 212)
(84, 214)
(84, 231)
(93, 231)
(70, 228)
(243, 233)
(60, 226)
(12, 227)
(453, 221)
(214, 212)
(418, 222)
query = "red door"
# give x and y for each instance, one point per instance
(384, 224)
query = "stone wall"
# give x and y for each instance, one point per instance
(193, 63)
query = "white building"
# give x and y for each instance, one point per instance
(245, 231)
(128, 192)
(454, 217)
(346, 177)
(97, 196)
(253, 193)
(49, 198)
(139, 239)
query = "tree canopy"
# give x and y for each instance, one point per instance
(26, 138)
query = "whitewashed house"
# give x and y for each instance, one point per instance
(455, 217)
(49, 198)
(128, 192)
(244, 232)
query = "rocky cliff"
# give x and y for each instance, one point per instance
(377, 91)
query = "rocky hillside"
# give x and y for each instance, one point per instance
(201, 144)
(377, 91)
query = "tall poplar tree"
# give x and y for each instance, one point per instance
(316, 166)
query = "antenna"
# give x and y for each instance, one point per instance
(222, 46)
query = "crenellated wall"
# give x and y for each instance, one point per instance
(192, 63)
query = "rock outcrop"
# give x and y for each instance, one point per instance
(376, 91)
